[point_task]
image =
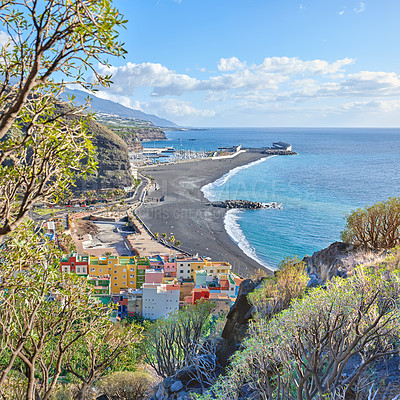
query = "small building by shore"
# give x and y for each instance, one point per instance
(281, 146)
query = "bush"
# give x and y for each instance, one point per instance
(303, 352)
(126, 385)
(277, 292)
(171, 342)
(376, 226)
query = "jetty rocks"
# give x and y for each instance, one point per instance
(245, 204)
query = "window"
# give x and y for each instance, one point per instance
(79, 270)
(92, 269)
(109, 269)
(101, 270)
(132, 269)
(192, 269)
(109, 262)
(124, 283)
(132, 282)
(115, 278)
(124, 270)
(181, 265)
(212, 271)
(232, 289)
(181, 271)
(115, 272)
(132, 275)
(115, 284)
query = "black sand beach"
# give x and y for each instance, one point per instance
(185, 214)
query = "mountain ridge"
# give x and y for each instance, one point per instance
(112, 108)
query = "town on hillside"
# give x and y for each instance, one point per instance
(155, 285)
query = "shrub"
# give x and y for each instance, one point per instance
(171, 342)
(276, 293)
(126, 385)
(376, 226)
(302, 352)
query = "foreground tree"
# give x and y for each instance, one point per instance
(376, 226)
(42, 144)
(43, 314)
(302, 352)
(171, 343)
(96, 352)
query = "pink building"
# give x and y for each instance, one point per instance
(169, 265)
(154, 275)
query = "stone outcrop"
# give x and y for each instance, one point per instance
(143, 134)
(236, 322)
(339, 259)
(244, 204)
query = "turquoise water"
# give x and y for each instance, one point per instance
(336, 171)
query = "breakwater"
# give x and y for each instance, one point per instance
(244, 204)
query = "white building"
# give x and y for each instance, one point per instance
(185, 266)
(159, 300)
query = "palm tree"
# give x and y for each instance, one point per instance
(178, 243)
(171, 239)
(164, 235)
(157, 235)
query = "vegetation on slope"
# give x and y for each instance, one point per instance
(376, 226)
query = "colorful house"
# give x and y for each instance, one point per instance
(154, 275)
(102, 288)
(186, 266)
(159, 300)
(217, 267)
(75, 263)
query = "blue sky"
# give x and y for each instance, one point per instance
(261, 62)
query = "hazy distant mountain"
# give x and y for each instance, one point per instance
(110, 107)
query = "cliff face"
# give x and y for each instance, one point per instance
(339, 259)
(113, 170)
(143, 134)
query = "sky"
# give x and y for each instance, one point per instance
(261, 63)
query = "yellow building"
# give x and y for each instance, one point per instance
(122, 270)
(196, 266)
(216, 267)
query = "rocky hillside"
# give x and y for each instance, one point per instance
(339, 259)
(113, 170)
(144, 134)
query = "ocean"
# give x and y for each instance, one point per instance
(335, 171)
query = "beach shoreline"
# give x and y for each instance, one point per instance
(178, 207)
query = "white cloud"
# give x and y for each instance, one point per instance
(175, 108)
(237, 75)
(369, 83)
(360, 9)
(341, 12)
(4, 38)
(132, 76)
(276, 85)
(230, 64)
(295, 66)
